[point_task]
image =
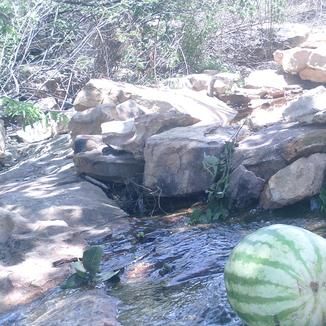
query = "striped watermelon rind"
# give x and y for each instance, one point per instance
(277, 276)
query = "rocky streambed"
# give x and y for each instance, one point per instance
(172, 272)
(174, 276)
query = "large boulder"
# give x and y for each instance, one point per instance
(174, 159)
(57, 212)
(299, 180)
(244, 188)
(308, 63)
(272, 149)
(196, 104)
(151, 124)
(89, 121)
(100, 91)
(289, 35)
(309, 108)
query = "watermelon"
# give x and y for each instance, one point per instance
(277, 276)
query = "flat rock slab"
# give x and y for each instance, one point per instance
(118, 166)
(56, 211)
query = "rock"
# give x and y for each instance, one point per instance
(59, 211)
(47, 104)
(289, 35)
(61, 123)
(316, 66)
(151, 124)
(85, 143)
(305, 143)
(174, 159)
(301, 179)
(267, 78)
(46, 128)
(7, 225)
(2, 139)
(93, 307)
(196, 104)
(310, 105)
(244, 188)
(100, 91)
(309, 63)
(127, 110)
(273, 148)
(260, 117)
(89, 121)
(39, 131)
(200, 82)
(118, 132)
(109, 165)
(316, 38)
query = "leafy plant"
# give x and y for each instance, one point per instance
(27, 112)
(87, 271)
(219, 168)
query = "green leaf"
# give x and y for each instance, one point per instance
(74, 281)
(80, 269)
(92, 259)
(104, 277)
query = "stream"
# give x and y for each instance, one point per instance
(173, 272)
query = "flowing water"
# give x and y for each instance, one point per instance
(173, 273)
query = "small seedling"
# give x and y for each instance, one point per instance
(87, 270)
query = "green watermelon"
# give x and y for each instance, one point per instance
(277, 276)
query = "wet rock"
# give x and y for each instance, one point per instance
(301, 179)
(173, 159)
(309, 108)
(93, 307)
(58, 211)
(271, 149)
(244, 188)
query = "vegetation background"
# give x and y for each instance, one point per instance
(140, 41)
